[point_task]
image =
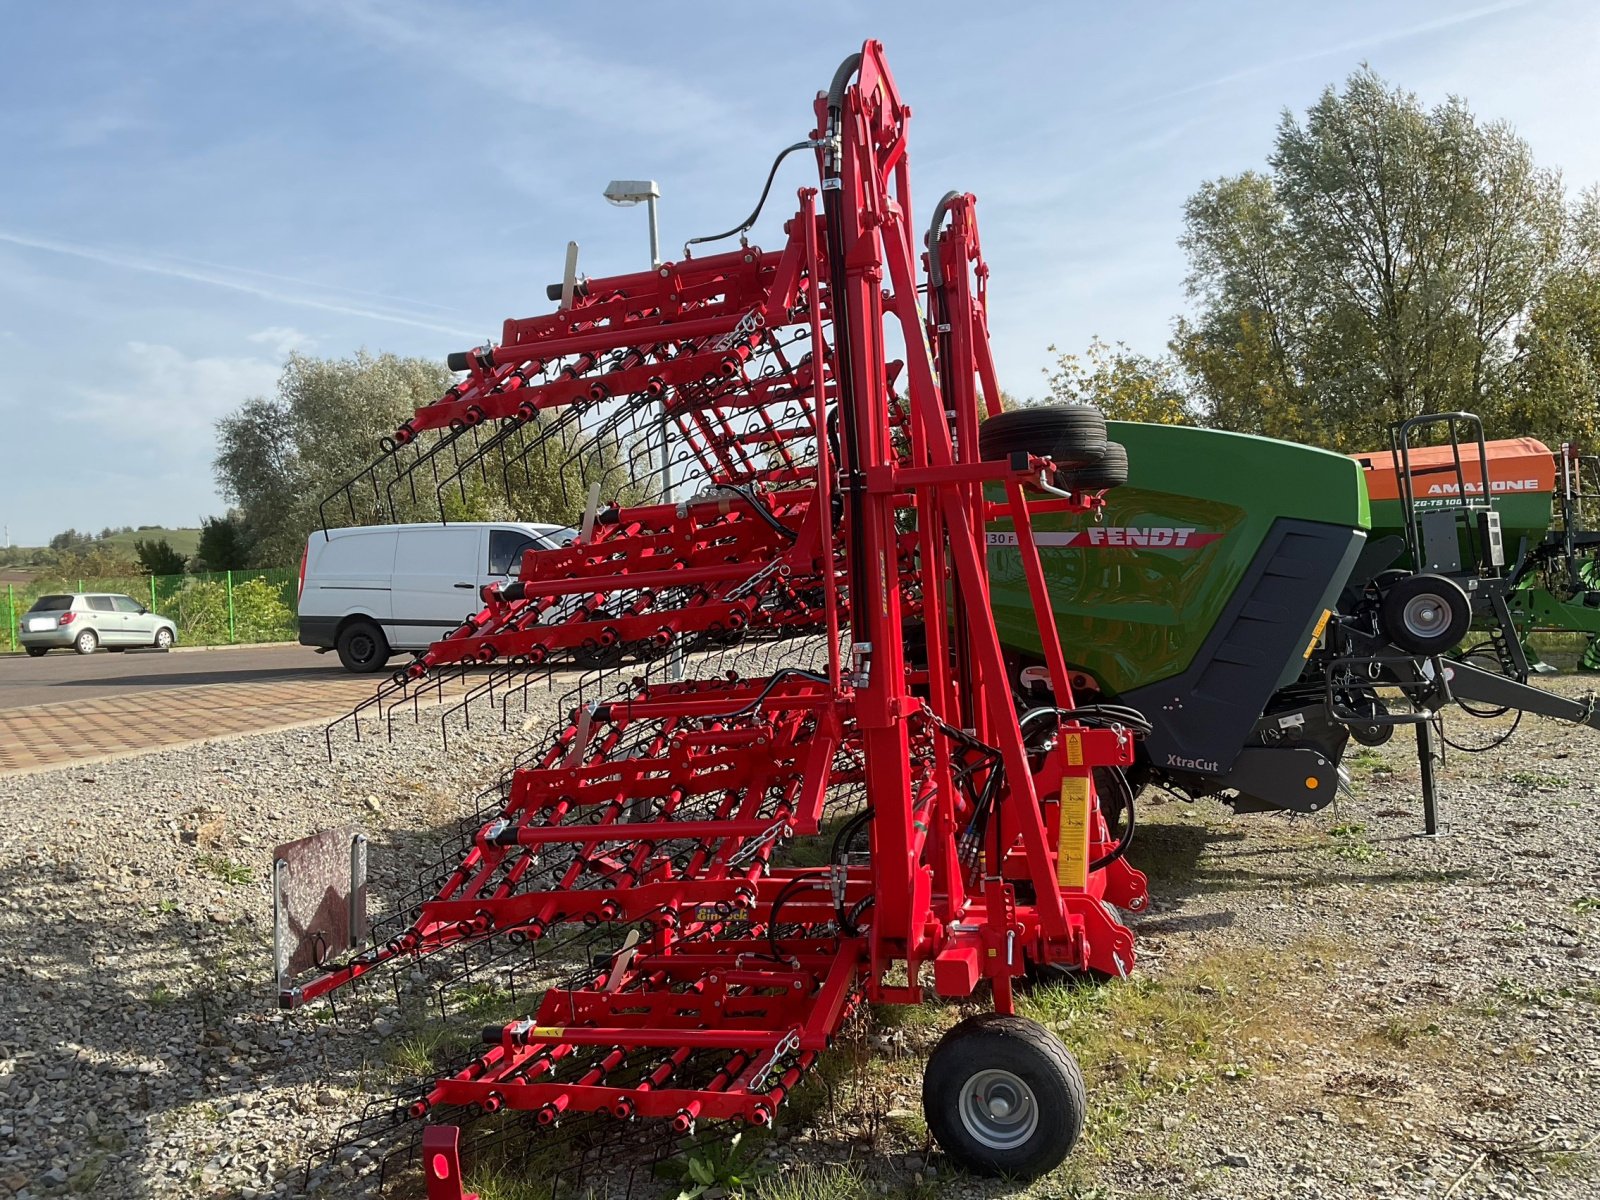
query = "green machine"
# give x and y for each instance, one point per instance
(1543, 502)
(1227, 592)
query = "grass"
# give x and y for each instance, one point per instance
(225, 869)
(1536, 779)
(1586, 904)
(1350, 843)
(813, 1183)
(161, 996)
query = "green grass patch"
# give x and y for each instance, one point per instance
(1534, 780)
(225, 869)
(812, 1183)
(1147, 1039)
(1350, 843)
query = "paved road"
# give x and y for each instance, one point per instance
(63, 709)
(63, 677)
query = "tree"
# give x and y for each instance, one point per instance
(223, 545)
(1381, 269)
(1123, 385)
(158, 557)
(279, 458)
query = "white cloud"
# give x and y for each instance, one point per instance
(159, 394)
(233, 281)
(282, 339)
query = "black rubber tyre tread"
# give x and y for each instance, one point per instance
(348, 634)
(1071, 434)
(38, 651)
(1402, 591)
(1108, 471)
(1035, 1055)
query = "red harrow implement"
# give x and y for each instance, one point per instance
(840, 503)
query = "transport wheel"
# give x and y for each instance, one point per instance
(37, 651)
(1425, 614)
(1108, 471)
(362, 647)
(1072, 434)
(1003, 1096)
(163, 639)
(88, 642)
(1369, 704)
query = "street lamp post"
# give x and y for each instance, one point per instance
(625, 193)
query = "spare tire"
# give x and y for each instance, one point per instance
(1108, 471)
(1425, 614)
(1071, 434)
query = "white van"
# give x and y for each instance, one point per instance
(371, 591)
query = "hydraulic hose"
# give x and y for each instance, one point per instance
(833, 223)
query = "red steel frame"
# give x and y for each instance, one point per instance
(665, 811)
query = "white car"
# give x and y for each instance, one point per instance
(370, 591)
(86, 621)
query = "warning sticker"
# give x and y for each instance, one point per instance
(1072, 860)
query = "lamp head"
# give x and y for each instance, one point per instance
(627, 192)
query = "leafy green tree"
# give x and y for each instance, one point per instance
(224, 545)
(158, 557)
(1124, 385)
(1380, 269)
(278, 458)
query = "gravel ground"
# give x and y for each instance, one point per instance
(1433, 1028)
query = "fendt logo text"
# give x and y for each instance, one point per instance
(1169, 537)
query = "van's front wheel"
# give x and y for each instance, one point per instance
(362, 647)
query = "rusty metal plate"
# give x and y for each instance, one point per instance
(319, 900)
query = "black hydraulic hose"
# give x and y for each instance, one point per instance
(762, 511)
(833, 223)
(760, 204)
(1126, 840)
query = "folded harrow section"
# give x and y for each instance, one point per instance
(765, 472)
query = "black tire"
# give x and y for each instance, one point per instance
(1108, 471)
(86, 642)
(115, 649)
(1003, 1097)
(164, 639)
(1071, 434)
(362, 648)
(1425, 614)
(38, 651)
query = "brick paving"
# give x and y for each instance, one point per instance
(50, 735)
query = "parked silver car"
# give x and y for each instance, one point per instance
(87, 621)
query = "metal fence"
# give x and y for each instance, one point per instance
(214, 608)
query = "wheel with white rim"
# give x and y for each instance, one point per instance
(87, 642)
(1003, 1096)
(163, 639)
(1426, 614)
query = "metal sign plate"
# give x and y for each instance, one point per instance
(319, 900)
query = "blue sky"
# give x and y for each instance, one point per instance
(190, 191)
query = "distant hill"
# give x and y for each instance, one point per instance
(184, 541)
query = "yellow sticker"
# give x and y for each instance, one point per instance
(1316, 634)
(1074, 744)
(547, 1031)
(1072, 858)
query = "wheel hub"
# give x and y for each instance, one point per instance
(999, 1109)
(1426, 615)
